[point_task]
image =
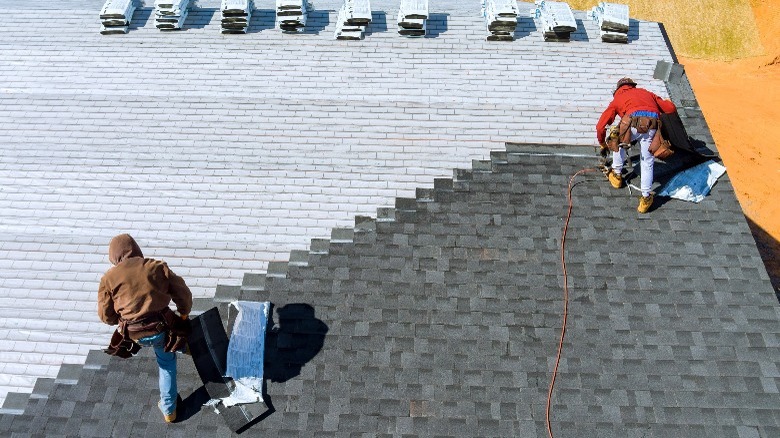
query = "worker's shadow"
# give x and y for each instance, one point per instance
(296, 338)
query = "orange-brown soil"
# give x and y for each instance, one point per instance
(741, 103)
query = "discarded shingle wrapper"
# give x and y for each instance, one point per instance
(245, 353)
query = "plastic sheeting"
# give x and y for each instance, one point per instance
(246, 353)
(695, 183)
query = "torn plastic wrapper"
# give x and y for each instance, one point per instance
(246, 353)
(695, 183)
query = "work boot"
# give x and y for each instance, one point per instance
(615, 179)
(645, 202)
(169, 418)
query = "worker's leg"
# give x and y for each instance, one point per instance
(618, 160)
(166, 363)
(646, 159)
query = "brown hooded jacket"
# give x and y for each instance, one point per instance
(136, 286)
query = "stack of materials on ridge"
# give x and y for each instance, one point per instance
(354, 17)
(170, 14)
(612, 19)
(116, 15)
(291, 15)
(412, 18)
(500, 18)
(556, 20)
(236, 15)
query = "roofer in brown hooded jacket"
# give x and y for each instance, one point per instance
(639, 112)
(135, 293)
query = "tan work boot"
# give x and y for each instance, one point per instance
(169, 418)
(615, 179)
(645, 202)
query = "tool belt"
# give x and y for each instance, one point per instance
(123, 340)
(643, 122)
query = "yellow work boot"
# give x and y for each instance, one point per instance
(169, 418)
(615, 179)
(645, 202)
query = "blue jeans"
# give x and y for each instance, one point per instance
(167, 364)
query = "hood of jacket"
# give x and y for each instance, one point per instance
(123, 247)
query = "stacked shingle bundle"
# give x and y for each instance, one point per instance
(412, 18)
(291, 15)
(170, 14)
(353, 18)
(116, 15)
(236, 15)
(612, 20)
(500, 18)
(556, 19)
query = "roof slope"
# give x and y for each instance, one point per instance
(222, 153)
(443, 318)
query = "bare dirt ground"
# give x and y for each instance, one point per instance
(741, 103)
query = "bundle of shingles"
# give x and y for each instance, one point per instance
(612, 19)
(236, 15)
(556, 20)
(500, 19)
(291, 15)
(116, 15)
(354, 17)
(170, 14)
(413, 18)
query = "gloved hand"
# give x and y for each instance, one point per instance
(603, 150)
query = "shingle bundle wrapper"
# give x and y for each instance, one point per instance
(354, 17)
(556, 20)
(170, 14)
(412, 18)
(500, 19)
(612, 19)
(291, 15)
(236, 15)
(115, 16)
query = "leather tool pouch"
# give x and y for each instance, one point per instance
(121, 345)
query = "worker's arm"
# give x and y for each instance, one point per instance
(180, 293)
(106, 310)
(607, 117)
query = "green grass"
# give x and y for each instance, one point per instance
(704, 29)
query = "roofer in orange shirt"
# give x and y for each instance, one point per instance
(639, 112)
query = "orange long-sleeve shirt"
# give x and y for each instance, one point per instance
(628, 100)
